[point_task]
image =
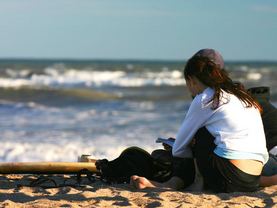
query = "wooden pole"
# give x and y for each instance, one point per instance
(46, 167)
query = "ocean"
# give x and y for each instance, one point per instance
(57, 110)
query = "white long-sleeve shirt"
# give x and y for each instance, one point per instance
(238, 130)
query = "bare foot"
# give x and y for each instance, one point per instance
(141, 182)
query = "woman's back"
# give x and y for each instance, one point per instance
(236, 127)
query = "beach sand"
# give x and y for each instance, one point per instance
(15, 191)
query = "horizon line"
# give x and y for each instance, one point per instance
(121, 59)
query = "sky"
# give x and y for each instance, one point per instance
(138, 29)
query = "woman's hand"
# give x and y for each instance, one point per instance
(166, 146)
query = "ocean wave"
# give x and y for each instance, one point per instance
(59, 75)
(12, 151)
(54, 96)
(89, 78)
(136, 82)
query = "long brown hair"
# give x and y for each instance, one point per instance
(216, 78)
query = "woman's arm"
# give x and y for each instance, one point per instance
(196, 117)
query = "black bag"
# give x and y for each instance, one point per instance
(135, 161)
(269, 114)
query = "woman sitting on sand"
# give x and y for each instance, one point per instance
(226, 125)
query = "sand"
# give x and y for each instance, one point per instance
(15, 191)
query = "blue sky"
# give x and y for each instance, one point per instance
(142, 29)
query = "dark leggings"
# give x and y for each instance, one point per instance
(219, 174)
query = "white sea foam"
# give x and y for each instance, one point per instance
(35, 133)
(15, 83)
(254, 76)
(69, 77)
(62, 151)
